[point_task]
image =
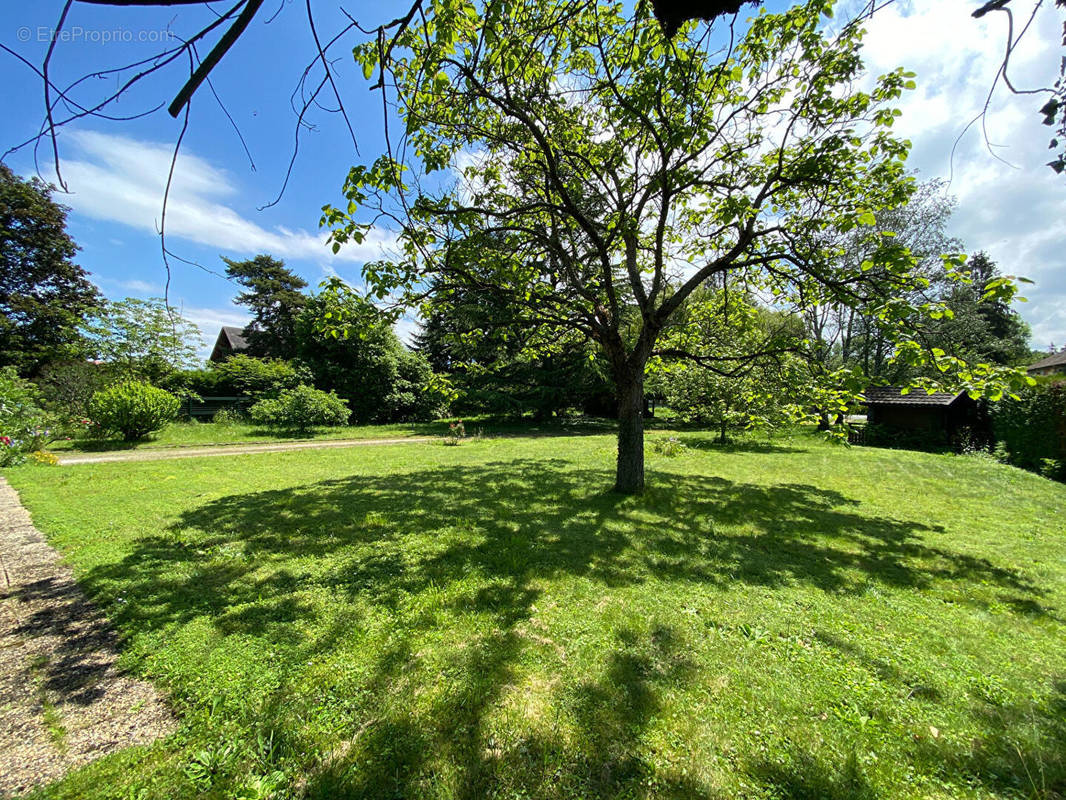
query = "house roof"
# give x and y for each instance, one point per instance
(235, 336)
(230, 340)
(1053, 360)
(893, 395)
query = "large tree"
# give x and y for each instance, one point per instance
(44, 295)
(851, 336)
(275, 298)
(630, 169)
(980, 329)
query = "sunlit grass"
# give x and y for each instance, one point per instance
(769, 620)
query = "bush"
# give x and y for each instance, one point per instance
(413, 397)
(229, 416)
(1031, 432)
(133, 409)
(241, 375)
(24, 425)
(300, 409)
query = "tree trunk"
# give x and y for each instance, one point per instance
(629, 477)
(721, 432)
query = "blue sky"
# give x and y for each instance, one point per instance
(116, 170)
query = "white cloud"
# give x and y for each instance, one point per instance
(1013, 211)
(141, 287)
(407, 328)
(119, 179)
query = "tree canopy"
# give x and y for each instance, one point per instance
(44, 295)
(142, 339)
(275, 299)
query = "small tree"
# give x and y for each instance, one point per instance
(133, 409)
(762, 388)
(143, 339)
(68, 386)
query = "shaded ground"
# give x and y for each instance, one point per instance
(63, 702)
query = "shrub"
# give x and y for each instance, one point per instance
(300, 409)
(1031, 431)
(413, 396)
(241, 375)
(24, 425)
(133, 409)
(68, 386)
(229, 416)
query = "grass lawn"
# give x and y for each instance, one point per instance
(202, 434)
(783, 620)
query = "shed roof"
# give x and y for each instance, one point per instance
(893, 395)
(1054, 360)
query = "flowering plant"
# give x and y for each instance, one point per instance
(456, 432)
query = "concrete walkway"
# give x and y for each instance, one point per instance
(162, 454)
(63, 700)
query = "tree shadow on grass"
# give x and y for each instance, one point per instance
(743, 445)
(244, 561)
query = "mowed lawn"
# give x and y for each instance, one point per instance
(789, 619)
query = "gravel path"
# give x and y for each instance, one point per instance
(63, 702)
(232, 450)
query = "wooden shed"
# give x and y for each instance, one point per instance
(940, 415)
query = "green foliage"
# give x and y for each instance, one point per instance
(68, 386)
(982, 326)
(1031, 430)
(133, 409)
(606, 156)
(275, 299)
(44, 295)
(259, 377)
(229, 417)
(368, 366)
(413, 396)
(669, 446)
(143, 339)
(733, 364)
(300, 409)
(24, 425)
(497, 367)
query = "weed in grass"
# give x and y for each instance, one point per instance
(669, 446)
